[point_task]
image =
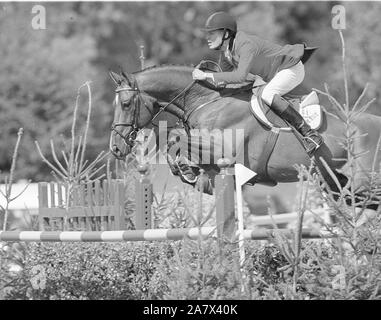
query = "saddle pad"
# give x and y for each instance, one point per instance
(313, 115)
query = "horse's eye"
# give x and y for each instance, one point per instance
(125, 105)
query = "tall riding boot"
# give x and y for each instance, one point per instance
(311, 138)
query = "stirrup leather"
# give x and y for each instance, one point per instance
(317, 145)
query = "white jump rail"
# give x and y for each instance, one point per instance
(145, 235)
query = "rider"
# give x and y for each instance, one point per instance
(281, 67)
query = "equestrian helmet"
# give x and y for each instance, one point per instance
(221, 20)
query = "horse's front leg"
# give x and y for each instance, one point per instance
(188, 172)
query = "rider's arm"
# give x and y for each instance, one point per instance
(247, 53)
(224, 64)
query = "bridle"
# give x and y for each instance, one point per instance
(129, 139)
(138, 101)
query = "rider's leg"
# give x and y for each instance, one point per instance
(312, 139)
(283, 82)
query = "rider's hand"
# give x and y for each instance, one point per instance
(197, 74)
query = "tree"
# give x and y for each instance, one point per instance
(363, 51)
(40, 73)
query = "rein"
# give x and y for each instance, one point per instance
(173, 100)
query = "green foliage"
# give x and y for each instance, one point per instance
(41, 71)
(87, 271)
(201, 271)
(183, 270)
(84, 271)
(363, 50)
(96, 271)
(186, 208)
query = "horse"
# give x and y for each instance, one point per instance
(169, 90)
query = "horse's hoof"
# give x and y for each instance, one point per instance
(189, 178)
(189, 173)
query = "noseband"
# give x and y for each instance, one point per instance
(129, 139)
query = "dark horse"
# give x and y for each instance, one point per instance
(171, 92)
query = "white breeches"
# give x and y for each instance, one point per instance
(283, 82)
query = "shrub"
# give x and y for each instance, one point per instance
(87, 271)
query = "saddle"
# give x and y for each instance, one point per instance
(309, 105)
(309, 108)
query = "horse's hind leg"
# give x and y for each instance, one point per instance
(373, 205)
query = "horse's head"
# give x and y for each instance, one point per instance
(142, 96)
(133, 110)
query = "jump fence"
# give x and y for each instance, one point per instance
(96, 212)
(141, 235)
(91, 206)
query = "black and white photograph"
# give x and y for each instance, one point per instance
(190, 157)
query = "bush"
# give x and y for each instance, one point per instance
(87, 271)
(185, 270)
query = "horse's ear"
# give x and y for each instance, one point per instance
(115, 77)
(125, 75)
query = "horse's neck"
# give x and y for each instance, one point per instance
(166, 85)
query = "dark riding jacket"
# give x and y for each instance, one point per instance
(251, 54)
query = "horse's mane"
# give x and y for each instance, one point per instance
(162, 66)
(205, 85)
(178, 67)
